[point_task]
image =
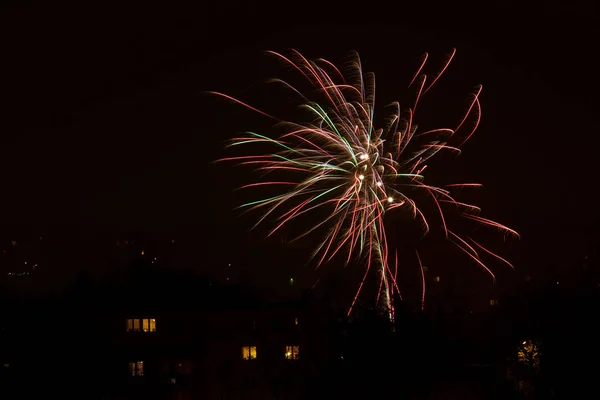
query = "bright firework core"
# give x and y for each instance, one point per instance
(359, 173)
(374, 189)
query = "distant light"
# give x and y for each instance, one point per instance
(291, 281)
(379, 183)
(557, 282)
(390, 200)
(173, 241)
(361, 177)
(142, 252)
(525, 342)
(25, 262)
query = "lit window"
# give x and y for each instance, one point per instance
(437, 279)
(248, 352)
(292, 352)
(494, 302)
(147, 325)
(136, 368)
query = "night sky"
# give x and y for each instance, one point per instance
(107, 130)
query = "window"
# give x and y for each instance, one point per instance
(494, 302)
(136, 368)
(248, 352)
(147, 325)
(292, 352)
(133, 325)
(437, 279)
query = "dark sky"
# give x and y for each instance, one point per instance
(105, 127)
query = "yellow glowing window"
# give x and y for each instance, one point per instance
(145, 324)
(152, 325)
(129, 325)
(493, 302)
(437, 279)
(292, 352)
(136, 368)
(248, 352)
(136, 324)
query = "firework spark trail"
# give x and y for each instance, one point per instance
(422, 280)
(340, 160)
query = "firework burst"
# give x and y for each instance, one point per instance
(339, 161)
